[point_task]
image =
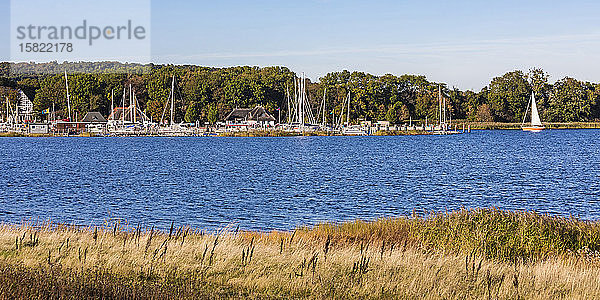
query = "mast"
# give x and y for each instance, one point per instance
(130, 104)
(302, 95)
(348, 112)
(323, 118)
(297, 110)
(440, 106)
(112, 104)
(134, 112)
(443, 107)
(68, 97)
(289, 112)
(172, 98)
(123, 109)
(526, 111)
(341, 120)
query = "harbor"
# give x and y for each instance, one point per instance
(127, 118)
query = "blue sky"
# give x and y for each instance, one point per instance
(462, 43)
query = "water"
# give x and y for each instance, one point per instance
(280, 183)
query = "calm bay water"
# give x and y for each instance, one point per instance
(279, 183)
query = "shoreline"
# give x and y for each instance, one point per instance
(275, 133)
(478, 253)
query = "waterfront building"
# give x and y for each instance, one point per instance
(24, 108)
(249, 117)
(39, 128)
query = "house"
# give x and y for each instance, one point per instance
(24, 108)
(94, 122)
(39, 128)
(250, 117)
(69, 127)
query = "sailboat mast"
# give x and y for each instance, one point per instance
(289, 112)
(440, 105)
(301, 102)
(172, 98)
(324, 95)
(112, 104)
(296, 111)
(348, 112)
(526, 110)
(444, 108)
(130, 117)
(123, 109)
(68, 96)
(341, 120)
(134, 112)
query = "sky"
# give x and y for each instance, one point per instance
(461, 43)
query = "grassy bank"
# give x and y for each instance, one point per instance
(480, 254)
(12, 134)
(517, 126)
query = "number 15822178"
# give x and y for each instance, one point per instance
(46, 47)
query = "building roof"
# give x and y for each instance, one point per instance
(250, 114)
(94, 117)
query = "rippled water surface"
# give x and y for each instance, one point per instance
(279, 183)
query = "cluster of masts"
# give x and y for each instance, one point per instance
(125, 117)
(301, 115)
(132, 118)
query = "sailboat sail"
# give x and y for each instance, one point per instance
(535, 116)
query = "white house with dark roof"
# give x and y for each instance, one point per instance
(24, 108)
(246, 117)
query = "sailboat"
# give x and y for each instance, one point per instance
(536, 123)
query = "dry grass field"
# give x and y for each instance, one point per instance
(468, 254)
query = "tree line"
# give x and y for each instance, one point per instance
(207, 94)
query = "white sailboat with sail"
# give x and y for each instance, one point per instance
(536, 123)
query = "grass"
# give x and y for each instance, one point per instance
(12, 134)
(517, 126)
(467, 254)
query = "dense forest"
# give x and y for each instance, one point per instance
(208, 94)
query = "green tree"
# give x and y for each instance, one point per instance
(192, 113)
(571, 101)
(541, 88)
(508, 96)
(397, 113)
(213, 113)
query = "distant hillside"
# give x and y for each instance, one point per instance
(79, 67)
